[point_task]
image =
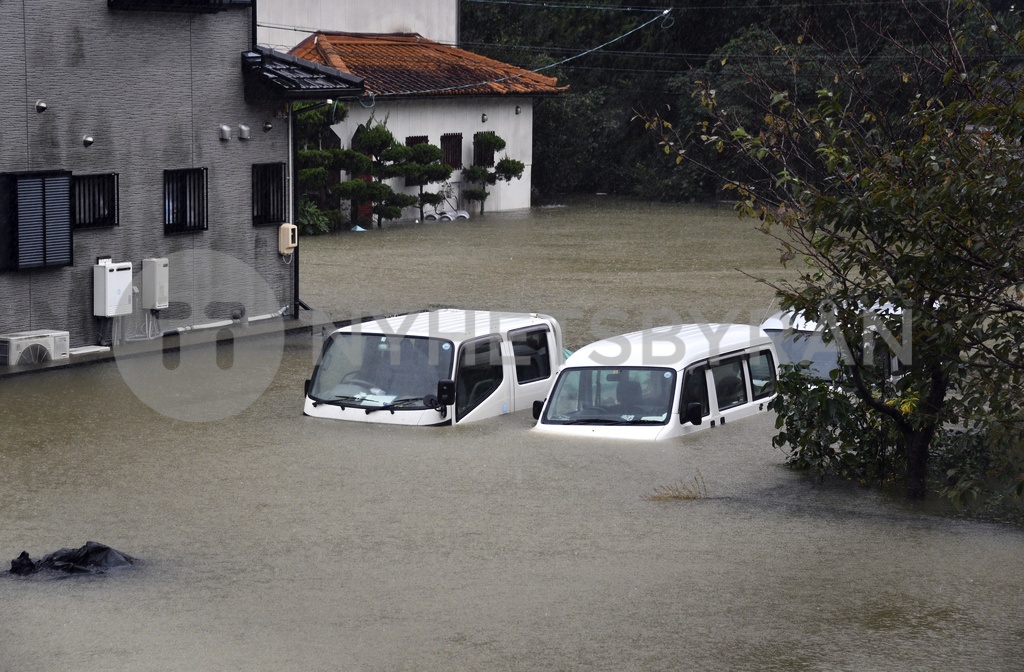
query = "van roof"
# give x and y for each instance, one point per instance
(674, 346)
(449, 323)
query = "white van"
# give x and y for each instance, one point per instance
(799, 340)
(661, 383)
(435, 368)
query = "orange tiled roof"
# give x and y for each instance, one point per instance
(406, 64)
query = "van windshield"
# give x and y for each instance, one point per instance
(619, 396)
(374, 370)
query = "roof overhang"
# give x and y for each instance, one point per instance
(272, 75)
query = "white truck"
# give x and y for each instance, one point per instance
(442, 367)
(661, 383)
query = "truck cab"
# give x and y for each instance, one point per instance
(442, 367)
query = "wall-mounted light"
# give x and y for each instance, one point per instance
(267, 126)
(40, 106)
(87, 140)
(225, 132)
(243, 132)
(519, 110)
(483, 117)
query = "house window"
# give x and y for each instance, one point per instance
(451, 145)
(35, 220)
(268, 194)
(413, 140)
(94, 198)
(185, 200)
(483, 153)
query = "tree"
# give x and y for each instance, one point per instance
(375, 156)
(485, 170)
(425, 165)
(904, 193)
(317, 165)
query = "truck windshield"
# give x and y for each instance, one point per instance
(612, 396)
(372, 370)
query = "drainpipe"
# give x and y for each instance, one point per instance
(254, 20)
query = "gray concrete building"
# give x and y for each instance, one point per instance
(152, 133)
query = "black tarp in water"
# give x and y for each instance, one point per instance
(93, 558)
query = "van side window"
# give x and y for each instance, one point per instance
(762, 374)
(695, 390)
(730, 385)
(478, 375)
(533, 359)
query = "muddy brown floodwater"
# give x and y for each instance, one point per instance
(272, 541)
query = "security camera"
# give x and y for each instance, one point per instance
(87, 140)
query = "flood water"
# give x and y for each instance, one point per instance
(272, 541)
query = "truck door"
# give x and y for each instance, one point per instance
(530, 366)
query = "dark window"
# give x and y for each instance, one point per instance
(483, 153)
(451, 145)
(35, 220)
(533, 361)
(185, 200)
(95, 200)
(695, 391)
(762, 374)
(730, 383)
(268, 194)
(478, 375)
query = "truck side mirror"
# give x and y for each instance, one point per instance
(538, 406)
(694, 413)
(446, 392)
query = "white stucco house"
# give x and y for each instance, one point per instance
(425, 91)
(417, 80)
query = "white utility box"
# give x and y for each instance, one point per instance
(155, 283)
(112, 289)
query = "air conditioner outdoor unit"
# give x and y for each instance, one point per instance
(31, 347)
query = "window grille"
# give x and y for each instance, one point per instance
(185, 200)
(35, 221)
(268, 194)
(483, 155)
(412, 140)
(95, 200)
(451, 145)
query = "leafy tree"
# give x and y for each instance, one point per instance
(375, 156)
(425, 165)
(906, 193)
(316, 167)
(485, 171)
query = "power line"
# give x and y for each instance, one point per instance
(663, 14)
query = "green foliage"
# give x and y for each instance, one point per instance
(312, 220)
(504, 169)
(377, 155)
(904, 192)
(316, 168)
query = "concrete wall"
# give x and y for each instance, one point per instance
(285, 23)
(433, 118)
(152, 89)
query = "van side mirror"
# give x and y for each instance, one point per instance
(538, 406)
(694, 413)
(446, 392)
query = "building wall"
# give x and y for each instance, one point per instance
(152, 89)
(285, 23)
(433, 118)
